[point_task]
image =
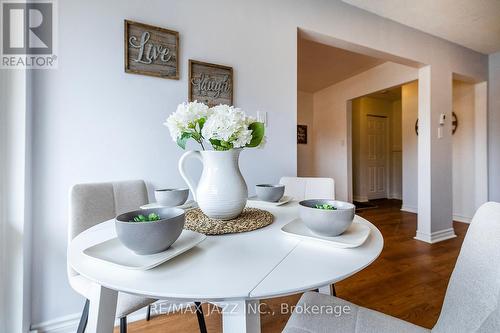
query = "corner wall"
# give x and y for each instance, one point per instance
(494, 127)
(15, 209)
(305, 152)
(464, 203)
(396, 189)
(409, 103)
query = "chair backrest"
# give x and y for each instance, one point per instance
(93, 203)
(302, 188)
(472, 299)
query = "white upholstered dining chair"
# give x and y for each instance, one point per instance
(302, 188)
(471, 304)
(91, 204)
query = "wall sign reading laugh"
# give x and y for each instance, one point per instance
(210, 83)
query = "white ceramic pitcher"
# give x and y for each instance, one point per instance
(221, 192)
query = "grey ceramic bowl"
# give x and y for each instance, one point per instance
(171, 197)
(150, 237)
(326, 222)
(268, 192)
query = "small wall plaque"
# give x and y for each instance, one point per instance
(302, 134)
(151, 50)
(210, 83)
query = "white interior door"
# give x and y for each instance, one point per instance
(376, 166)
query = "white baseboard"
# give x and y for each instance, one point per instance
(69, 323)
(397, 196)
(359, 198)
(64, 324)
(461, 218)
(457, 218)
(409, 209)
(436, 236)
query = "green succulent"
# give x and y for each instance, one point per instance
(149, 218)
(325, 206)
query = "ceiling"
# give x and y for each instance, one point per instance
(320, 66)
(474, 24)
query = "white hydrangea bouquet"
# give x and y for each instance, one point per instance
(224, 127)
(221, 192)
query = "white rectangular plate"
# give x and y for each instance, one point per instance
(354, 236)
(114, 252)
(188, 204)
(282, 201)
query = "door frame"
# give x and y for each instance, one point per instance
(350, 192)
(388, 169)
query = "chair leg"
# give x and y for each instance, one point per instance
(123, 324)
(148, 314)
(327, 290)
(201, 317)
(84, 318)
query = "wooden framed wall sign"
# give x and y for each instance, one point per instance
(210, 83)
(151, 50)
(302, 134)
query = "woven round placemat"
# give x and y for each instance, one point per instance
(250, 219)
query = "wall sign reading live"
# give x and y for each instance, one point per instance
(151, 50)
(29, 34)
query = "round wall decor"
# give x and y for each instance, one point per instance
(454, 123)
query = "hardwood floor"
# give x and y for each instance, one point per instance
(407, 281)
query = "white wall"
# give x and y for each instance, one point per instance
(305, 152)
(463, 152)
(15, 222)
(409, 103)
(93, 122)
(3, 189)
(494, 127)
(396, 189)
(357, 144)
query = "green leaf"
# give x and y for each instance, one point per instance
(221, 145)
(226, 145)
(140, 218)
(215, 143)
(153, 217)
(258, 130)
(325, 207)
(201, 122)
(181, 141)
(150, 217)
(196, 136)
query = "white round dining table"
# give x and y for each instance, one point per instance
(234, 271)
